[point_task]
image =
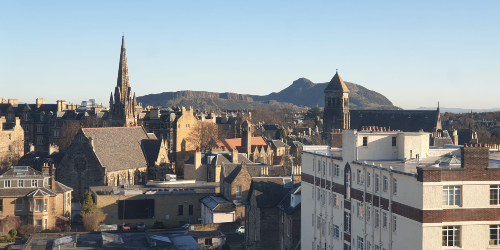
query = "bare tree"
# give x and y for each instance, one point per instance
(203, 136)
(92, 219)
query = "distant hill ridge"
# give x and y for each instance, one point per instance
(302, 92)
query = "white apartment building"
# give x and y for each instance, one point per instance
(390, 191)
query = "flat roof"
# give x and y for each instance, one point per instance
(203, 188)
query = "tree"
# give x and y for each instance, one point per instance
(88, 202)
(91, 214)
(280, 133)
(203, 136)
(10, 223)
(314, 112)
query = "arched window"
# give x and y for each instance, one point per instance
(329, 101)
(347, 181)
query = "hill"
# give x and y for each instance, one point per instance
(301, 93)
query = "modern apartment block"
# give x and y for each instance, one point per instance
(390, 190)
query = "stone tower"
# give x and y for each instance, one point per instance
(122, 110)
(336, 113)
(246, 138)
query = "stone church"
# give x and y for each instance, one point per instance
(123, 107)
(337, 116)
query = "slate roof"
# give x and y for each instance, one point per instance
(268, 191)
(235, 143)
(217, 158)
(404, 120)
(270, 127)
(295, 144)
(277, 144)
(337, 85)
(118, 148)
(151, 148)
(22, 192)
(230, 171)
(285, 205)
(218, 204)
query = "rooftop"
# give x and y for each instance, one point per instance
(183, 188)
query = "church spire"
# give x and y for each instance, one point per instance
(337, 84)
(122, 81)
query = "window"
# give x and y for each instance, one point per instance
(318, 223)
(330, 169)
(337, 170)
(25, 116)
(360, 243)
(452, 195)
(312, 192)
(394, 141)
(45, 204)
(208, 242)
(6, 184)
(377, 247)
(323, 198)
(324, 168)
(384, 220)
(394, 223)
(319, 166)
(336, 201)
(330, 228)
(336, 231)
(314, 165)
(495, 195)
(38, 205)
(347, 222)
(39, 140)
(365, 141)
(330, 199)
(180, 210)
(319, 194)
(384, 183)
(368, 213)
(34, 183)
(323, 225)
(368, 245)
(31, 205)
(19, 204)
(360, 178)
(368, 179)
(377, 218)
(56, 132)
(39, 128)
(191, 209)
(20, 183)
(394, 186)
(495, 235)
(376, 183)
(451, 236)
(238, 191)
(360, 210)
(313, 220)
(45, 224)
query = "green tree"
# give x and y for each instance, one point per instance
(88, 202)
(312, 113)
(280, 133)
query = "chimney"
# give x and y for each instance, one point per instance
(61, 105)
(32, 147)
(53, 148)
(13, 102)
(475, 157)
(197, 159)
(91, 142)
(246, 138)
(234, 156)
(45, 169)
(39, 102)
(52, 177)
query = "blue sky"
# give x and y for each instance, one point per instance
(416, 53)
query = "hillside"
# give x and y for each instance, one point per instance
(302, 92)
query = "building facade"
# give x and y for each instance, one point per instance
(34, 197)
(389, 190)
(11, 141)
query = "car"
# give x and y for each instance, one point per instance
(158, 225)
(125, 226)
(185, 226)
(140, 226)
(78, 219)
(240, 230)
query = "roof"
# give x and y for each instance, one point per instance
(337, 84)
(270, 127)
(219, 158)
(151, 149)
(268, 192)
(230, 171)
(230, 178)
(235, 143)
(404, 120)
(118, 148)
(218, 204)
(285, 204)
(277, 144)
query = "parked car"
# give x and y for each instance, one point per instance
(78, 219)
(140, 226)
(158, 225)
(125, 226)
(240, 230)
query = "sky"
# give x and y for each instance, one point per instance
(416, 53)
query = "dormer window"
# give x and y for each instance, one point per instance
(6, 184)
(34, 183)
(25, 116)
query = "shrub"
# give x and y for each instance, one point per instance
(13, 233)
(92, 219)
(9, 223)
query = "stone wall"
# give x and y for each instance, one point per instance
(223, 227)
(11, 143)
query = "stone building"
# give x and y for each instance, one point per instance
(114, 156)
(34, 197)
(207, 166)
(123, 107)
(337, 116)
(262, 220)
(11, 142)
(289, 225)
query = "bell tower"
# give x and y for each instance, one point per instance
(336, 112)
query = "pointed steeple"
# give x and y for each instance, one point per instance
(337, 84)
(122, 81)
(111, 99)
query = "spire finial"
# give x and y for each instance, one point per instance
(337, 70)
(438, 104)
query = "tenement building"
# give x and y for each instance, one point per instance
(389, 190)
